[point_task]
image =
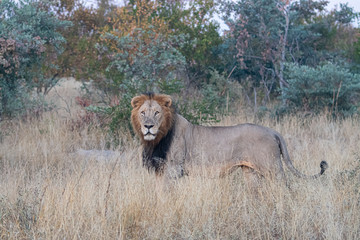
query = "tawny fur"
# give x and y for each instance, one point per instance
(174, 147)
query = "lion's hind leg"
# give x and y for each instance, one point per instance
(250, 172)
(246, 166)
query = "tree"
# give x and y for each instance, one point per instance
(29, 38)
(260, 32)
(80, 57)
(194, 20)
(191, 19)
(326, 87)
(146, 59)
(267, 34)
(325, 36)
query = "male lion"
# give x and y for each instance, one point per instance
(173, 147)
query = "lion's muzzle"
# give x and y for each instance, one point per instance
(149, 132)
(149, 137)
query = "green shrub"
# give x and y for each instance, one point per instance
(327, 87)
(212, 101)
(28, 40)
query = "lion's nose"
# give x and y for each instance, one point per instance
(148, 126)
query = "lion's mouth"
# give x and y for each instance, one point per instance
(149, 136)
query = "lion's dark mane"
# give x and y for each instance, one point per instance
(154, 157)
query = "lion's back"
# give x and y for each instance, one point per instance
(244, 141)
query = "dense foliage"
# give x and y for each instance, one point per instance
(327, 86)
(177, 47)
(29, 42)
(267, 34)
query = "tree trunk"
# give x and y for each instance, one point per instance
(283, 40)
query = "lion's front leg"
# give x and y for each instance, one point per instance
(169, 177)
(174, 167)
(174, 171)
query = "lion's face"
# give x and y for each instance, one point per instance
(151, 116)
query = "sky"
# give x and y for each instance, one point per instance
(355, 4)
(351, 3)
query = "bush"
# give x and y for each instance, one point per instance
(213, 100)
(327, 87)
(28, 40)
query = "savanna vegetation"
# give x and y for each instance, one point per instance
(51, 190)
(278, 57)
(289, 65)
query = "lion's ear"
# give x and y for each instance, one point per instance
(135, 101)
(166, 100)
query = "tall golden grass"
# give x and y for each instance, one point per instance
(47, 191)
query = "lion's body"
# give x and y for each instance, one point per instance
(183, 148)
(221, 148)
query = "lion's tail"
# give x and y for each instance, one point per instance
(323, 165)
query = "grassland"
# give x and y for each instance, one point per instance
(48, 191)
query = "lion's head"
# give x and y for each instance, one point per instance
(152, 116)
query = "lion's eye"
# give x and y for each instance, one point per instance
(156, 113)
(142, 113)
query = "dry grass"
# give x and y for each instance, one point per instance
(63, 95)
(48, 192)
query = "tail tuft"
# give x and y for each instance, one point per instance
(323, 165)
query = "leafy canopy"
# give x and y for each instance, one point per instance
(29, 40)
